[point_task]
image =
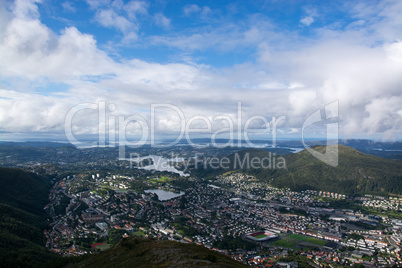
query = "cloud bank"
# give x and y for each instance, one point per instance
(44, 73)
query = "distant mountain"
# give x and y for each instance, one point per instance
(22, 218)
(141, 252)
(356, 172)
(35, 144)
(390, 150)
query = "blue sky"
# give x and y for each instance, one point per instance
(278, 58)
(167, 31)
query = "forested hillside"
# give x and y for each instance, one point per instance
(22, 218)
(355, 173)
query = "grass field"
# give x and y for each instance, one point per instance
(293, 241)
(317, 241)
(138, 233)
(162, 179)
(283, 243)
(299, 237)
(101, 246)
(153, 181)
(260, 236)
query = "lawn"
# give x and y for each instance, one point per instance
(299, 237)
(293, 240)
(153, 181)
(316, 241)
(164, 179)
(260, 236)
(311, 240)
(138, 233)
(283, 243)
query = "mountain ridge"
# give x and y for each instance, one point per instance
(145, 252)
(356, 172)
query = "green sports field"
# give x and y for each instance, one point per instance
(260, 236)
(294, 241)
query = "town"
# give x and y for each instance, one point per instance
(91, 212)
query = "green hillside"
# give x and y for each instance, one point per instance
(22, 219)
(141, 252)
(23, 190)
(356, 172)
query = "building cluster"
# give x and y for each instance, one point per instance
(211, 212)
(379, 202)
(242, 184)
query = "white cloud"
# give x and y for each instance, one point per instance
(68, 6)
(362, 80)
(291, 75)
(26, 9)
(226, 37)
(94, 4)
(204, 11)
(189, 9)
(382, 114)
(121, 16)
(307, 21)
(293, 131)
(301, 101)
(133, 8)
(30, 50)
(109, 18)
(22, 112)
(161, 20)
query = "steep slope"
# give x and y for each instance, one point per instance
(140, 252)
(22, 219)
(23, 190)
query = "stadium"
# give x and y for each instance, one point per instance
(261, 236)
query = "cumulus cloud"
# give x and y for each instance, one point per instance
(30, 50)
(227, 37)
(121, 16)
(109, 18)
(307, 21)
(364, 80)
(133, 8)
(161, 20)
(204, 11)
(291, 75)
(189, 9)
(94, 4)
(26, 9)
(68, 6)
